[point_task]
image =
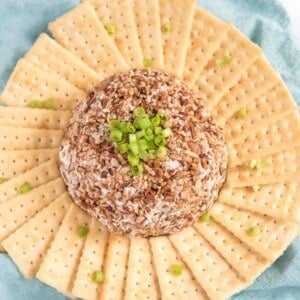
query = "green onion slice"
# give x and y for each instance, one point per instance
(82, 231)
(116, 135)
(166, 28)
(3, 179)
(98, 276)
(148, 62)
(139, 112)
(142, 139)
(205, 218)
(161, 152)
(253, 231)
(224, 61)
(257, 164)
(137, 170)
(123, 148)
(25, 188)
(134, 160)
(176, 270)
(111, 29)
(242, 113)
(44, 104)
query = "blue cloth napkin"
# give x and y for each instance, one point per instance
(264, 21)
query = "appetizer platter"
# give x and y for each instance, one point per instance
(148, 151)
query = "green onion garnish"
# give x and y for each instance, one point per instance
(111, 29)
(142, 139)
(129, 128)
(147, 62)
(123, 148)
(116, 135)
(82, 231)
(44, 104)
(114, 124)
(205, 218)
(257, 164)
(176, 270)
(25, 188)
(242, 113)
(157, 130)
(137, 170)
(142, 123)
(156, 121)
(161, 152)
(159, 140)
(134, 160)
(98, 276)
(224, 61)
(166, 28)
(139, 112)
(253, 231)
(134, 148)
(3, 179)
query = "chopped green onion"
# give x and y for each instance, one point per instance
(35, 104)
(98, 276)
(166, 132)
(142, 139)
(132, 138)
(123, 148)
(257, 164)
(242, 113)
(253, 231)
(205, 218)
(137, 170)
(224, 61)
(116, 135)
(159, 140)
(25, 188)
(142, 123)
(161, 152)
(114, 124)
(261, 164)
(152, 154)
(166, 28)
(140, 134)
(134, 160)
(142, 144)
(45, 104)
(134, 148)
(149, 132)
(144, 155)
(49, 103)
(3, 179)
(157, 130)
(139, 112)
(129, 128)
(151, 145)
(111, 28)
(176, 270)
(148, 62)
(82, 231)
(156, 121)
(256, 188)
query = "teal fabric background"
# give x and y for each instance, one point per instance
(264, 21)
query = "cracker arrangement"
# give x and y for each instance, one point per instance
(256, 215)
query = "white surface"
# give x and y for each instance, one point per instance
(293, 8)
